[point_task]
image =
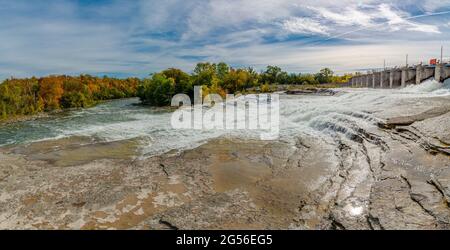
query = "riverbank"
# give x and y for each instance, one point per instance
(23, 118)
(22, 97)
(41, 115)
(371, 178)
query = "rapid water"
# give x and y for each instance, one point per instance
(319, 116)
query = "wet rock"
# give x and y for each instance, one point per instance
(362, 178)
(408, 120)
(207, 187)
(312, 91)
(231, 210)
(442, 183)
(431, 200)
(392, 207)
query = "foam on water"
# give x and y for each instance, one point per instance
(431, 87)
(320, 116)
(425, 87)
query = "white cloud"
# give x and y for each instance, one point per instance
(131, 38)
(350, 16)
(399, 20)
(292, 56)
(209, 16)
(433, 5)
(197, 19)
(378, 17)
(300, 25)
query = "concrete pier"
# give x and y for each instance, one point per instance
(408, 76)
(395, 78)
(438, 72)
(402, 77)
(384, 79)
(376, 80)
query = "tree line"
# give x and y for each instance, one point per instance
(20, 97)
(159, 88)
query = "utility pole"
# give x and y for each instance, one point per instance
(442, 54)
(384, 64)
(406, 60)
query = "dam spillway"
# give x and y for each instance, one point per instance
(402, 77)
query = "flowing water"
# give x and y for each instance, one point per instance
(332, 167)
(319, 116)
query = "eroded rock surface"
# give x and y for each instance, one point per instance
(395, 177)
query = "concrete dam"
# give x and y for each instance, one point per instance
(401, 77)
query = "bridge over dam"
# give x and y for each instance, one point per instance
(401, 77)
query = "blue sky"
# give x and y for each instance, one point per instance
(135, 38)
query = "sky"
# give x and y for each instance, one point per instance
(137, 37)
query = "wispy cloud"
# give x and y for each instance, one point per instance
(301, 25)
(138, 37)
(397, 21)
(350, 16)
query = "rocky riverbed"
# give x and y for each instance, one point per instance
(392, 176)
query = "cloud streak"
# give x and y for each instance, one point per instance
(301, 25)
(139, 37)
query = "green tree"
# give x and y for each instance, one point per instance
(307, 79)
(271, 74)
(204, 74)
(74, 100)
(325, 76)
(157, 91)
(238, 80)
(222, 70)
(182, 80)
(3, 114)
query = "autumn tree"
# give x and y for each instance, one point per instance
(32, 95)
(205, 74)
(51, 90)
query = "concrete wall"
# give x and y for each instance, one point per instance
(446, 74)
(395, 78)
(384, 79)
(442, 72)
(408, 76)
(376, 80)
(423, 73)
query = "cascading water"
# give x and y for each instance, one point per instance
(349, 111)
(332, 167)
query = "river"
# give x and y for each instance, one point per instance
(120, 165)
(321, 116)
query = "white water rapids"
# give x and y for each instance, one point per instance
(317, 116)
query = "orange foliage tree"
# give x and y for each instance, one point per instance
(51, 90)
